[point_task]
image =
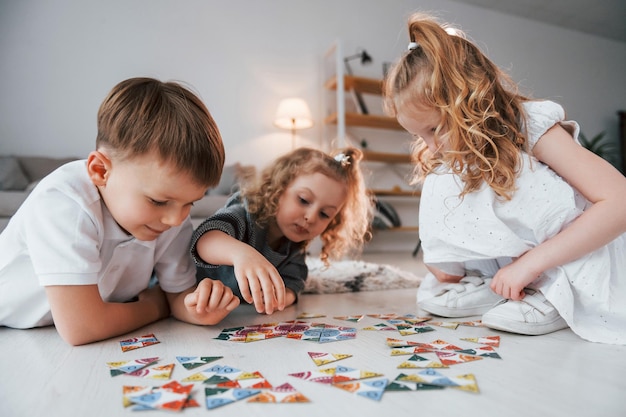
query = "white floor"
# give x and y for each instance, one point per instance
(555, 375)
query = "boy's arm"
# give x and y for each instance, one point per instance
(81, 316)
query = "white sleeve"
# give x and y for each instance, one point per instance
(541, 116)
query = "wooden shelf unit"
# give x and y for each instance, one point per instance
(392, 158)
(342, 84)
(366, 120)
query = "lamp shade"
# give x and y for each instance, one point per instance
(293, 113)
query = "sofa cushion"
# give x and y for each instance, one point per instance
(10, 201)
(37, 167)
(232, 177)
(12, 176)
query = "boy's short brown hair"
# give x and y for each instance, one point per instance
(143, 115)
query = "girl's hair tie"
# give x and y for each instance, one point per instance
(413, 45)
(343, 159)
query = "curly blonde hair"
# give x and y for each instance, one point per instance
(349, 229)
(482, 117)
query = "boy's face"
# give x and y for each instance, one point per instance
(146, 196)
(307, 206)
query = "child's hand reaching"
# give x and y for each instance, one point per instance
(510, 280)
(259, 282)
(211, 301)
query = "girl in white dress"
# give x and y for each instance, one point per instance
(518, 222)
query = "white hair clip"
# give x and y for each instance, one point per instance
(413, 45)
(343, 159)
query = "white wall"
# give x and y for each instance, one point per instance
(60, 58)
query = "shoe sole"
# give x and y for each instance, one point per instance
(529, 329)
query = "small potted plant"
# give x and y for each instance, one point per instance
(604, 149)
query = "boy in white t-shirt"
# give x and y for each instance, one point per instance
(81, 250)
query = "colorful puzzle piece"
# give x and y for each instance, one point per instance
(453, 358)
(372, 388)
(493, 341)
(397, 343)
(192, 362)
(407, 329)
(318, 332)
(417, 361)
(408, 319)
(126, 367)
(284, 393)
(445, 324)
(324, 333)
(138, 342)
(380, 326)
(218, 397)
(321, 358)
(484, 351)
(386, 316)
(430, 376)
(172, 396)
(305, 315)
(335, 375)
(350, 318)
(252, 333)
(246, 380)
(401, 383)
(155, 372)
(215, 375)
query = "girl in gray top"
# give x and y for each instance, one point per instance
(256, 243)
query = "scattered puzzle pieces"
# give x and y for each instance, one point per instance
(453, 358)
(138, 342)
(155, 372)
(417, 361)
(350, 318)
(485, 340)
(321, 358)
(192, 362)
(305, 315)
(218, 397)
(372, 389)
(172, 396)
(284, 393)
(380, 326)
(335, 375)
(465, 382)
(126, 367)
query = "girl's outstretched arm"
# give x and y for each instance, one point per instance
(600, 183)
(259, 281)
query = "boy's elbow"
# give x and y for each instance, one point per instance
(76, 340)
(76, 337)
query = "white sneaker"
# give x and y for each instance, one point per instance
(532, 315)
(469, 297)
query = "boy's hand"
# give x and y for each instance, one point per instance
(211, 301)
(259, 282)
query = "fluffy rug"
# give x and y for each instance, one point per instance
(353, 276)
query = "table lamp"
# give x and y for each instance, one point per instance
(293, 114)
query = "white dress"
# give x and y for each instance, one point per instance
(480, 231)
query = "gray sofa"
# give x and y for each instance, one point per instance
(20, 174)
